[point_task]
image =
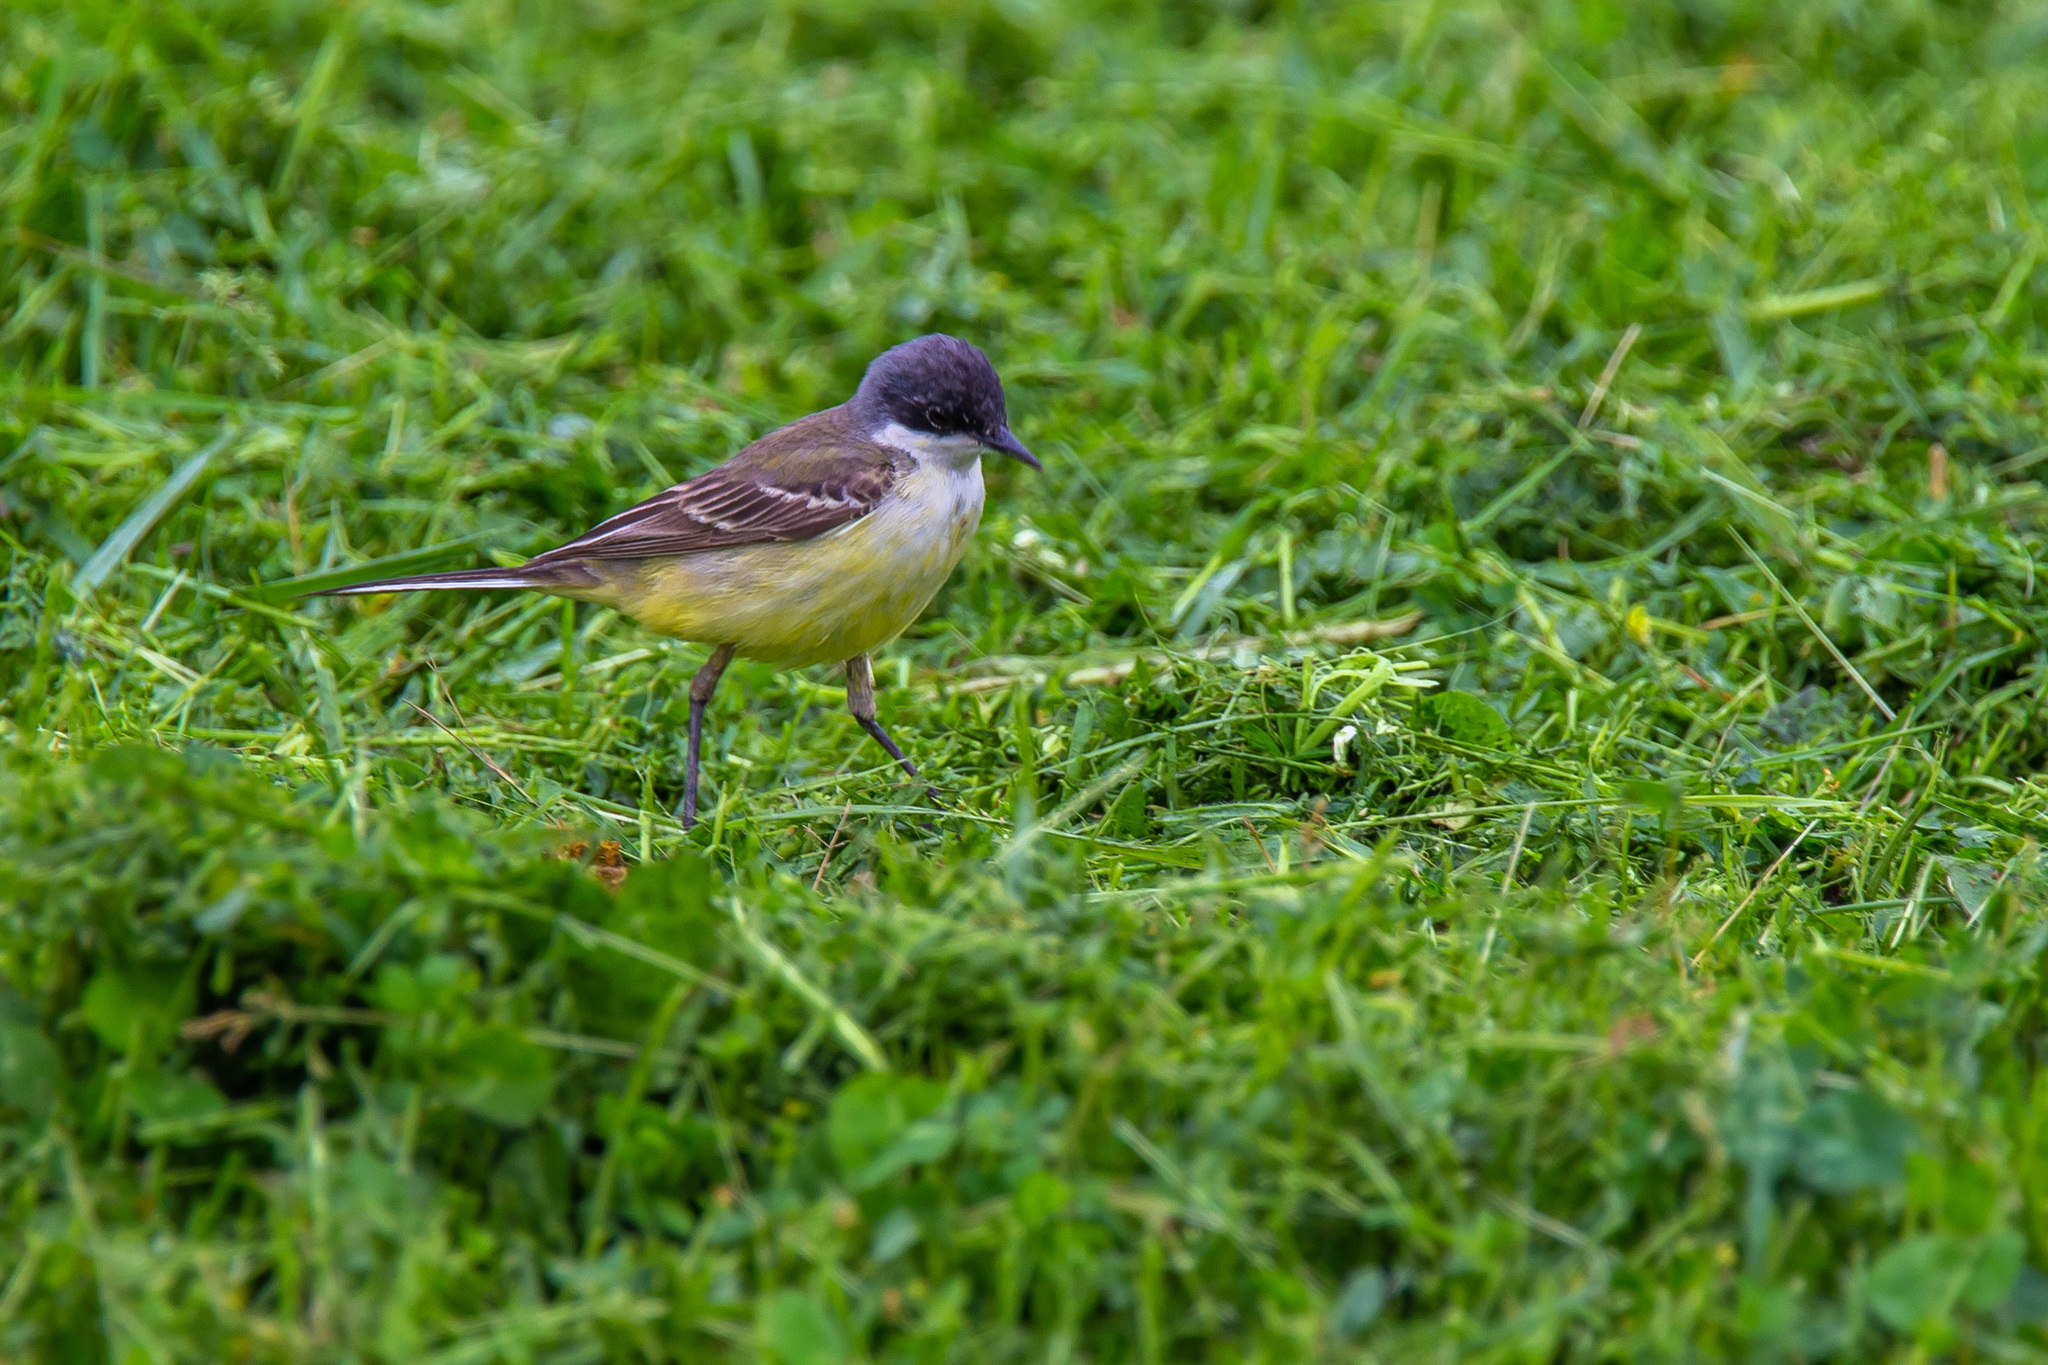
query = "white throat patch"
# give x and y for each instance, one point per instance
(951, 452)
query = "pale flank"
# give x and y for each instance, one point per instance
(844, 593)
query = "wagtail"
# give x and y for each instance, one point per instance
(818, 543)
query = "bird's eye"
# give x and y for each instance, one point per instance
(933, 418)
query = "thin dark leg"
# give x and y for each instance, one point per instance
(701, 688)
(874, 727)
(860, 700)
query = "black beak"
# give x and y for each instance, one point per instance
(1002, 440)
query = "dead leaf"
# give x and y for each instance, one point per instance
(608, 865)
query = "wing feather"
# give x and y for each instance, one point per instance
(801, 481)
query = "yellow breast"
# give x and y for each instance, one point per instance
(821, 600)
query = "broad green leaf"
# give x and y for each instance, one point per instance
(1853, 1140)
(794, 1329)
(30, 1074)
(1467, 719)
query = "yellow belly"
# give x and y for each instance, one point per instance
(812, 601)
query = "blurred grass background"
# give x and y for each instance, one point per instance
(1491, 788)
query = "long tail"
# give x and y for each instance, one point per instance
(465, 578)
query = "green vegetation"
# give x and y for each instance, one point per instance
(1625, 950)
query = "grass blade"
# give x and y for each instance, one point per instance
(115, 549)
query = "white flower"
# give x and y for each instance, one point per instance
(1340, 744)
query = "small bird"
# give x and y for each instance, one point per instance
(817, 544)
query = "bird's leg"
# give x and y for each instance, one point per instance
(860, 700)
(701, 688)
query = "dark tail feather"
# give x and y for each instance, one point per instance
(434, 582)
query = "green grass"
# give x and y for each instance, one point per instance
(1627, 950)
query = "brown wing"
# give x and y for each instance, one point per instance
(803, 480)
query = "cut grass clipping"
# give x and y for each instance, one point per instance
(1489, 793)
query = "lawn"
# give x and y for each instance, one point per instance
(1489, 801)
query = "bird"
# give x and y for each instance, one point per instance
(818, 543)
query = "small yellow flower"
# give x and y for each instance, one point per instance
(1638, 625)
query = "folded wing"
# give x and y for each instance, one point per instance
(803, 480)
(792, 484)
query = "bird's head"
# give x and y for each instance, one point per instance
(939, 387)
